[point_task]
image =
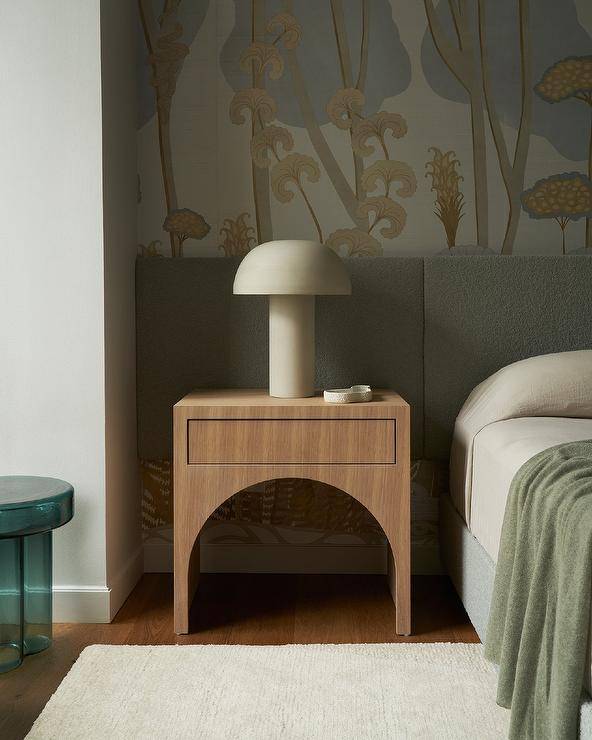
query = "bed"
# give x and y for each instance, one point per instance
(521, 410)
(500, 450)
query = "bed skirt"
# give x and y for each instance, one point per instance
(472, 572)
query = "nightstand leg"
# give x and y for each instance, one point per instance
(181, 598)
(399, 579)
(186, 580)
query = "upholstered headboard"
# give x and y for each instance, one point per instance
(483, 313)
(430, 327)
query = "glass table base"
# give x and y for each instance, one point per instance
(10, 657)
(25, 597)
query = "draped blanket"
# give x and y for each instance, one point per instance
(540, 614)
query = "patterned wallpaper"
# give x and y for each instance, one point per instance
(374, 126)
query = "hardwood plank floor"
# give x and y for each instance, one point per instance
(239, 609)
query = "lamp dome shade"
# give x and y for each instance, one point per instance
(292, 267)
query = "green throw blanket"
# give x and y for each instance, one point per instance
(540, 613)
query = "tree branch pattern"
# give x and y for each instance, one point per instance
(271, 145)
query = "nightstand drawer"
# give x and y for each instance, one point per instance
(295, 441)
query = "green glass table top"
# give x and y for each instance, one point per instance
(23, 490)
(32, 504)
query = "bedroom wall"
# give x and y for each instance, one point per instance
(363, 124)
(67, 370)
(52, 396)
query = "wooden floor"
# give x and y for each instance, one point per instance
(239, 609)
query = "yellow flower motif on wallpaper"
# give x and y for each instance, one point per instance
(257, 101)
(288, 29)
(389, 171)
(385, 209)
(345, 112)
(344, 106)
(237, 236)
(262, 58)
(356, 243)
(445, 182)
(290, 170)
(152, 250)
(269, 138)
(376, 127)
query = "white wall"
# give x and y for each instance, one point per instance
(52, 304)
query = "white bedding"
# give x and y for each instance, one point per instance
(499, 450)
(557, 385)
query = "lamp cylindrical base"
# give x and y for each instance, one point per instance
(291, 346)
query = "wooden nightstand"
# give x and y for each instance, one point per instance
(227, 440)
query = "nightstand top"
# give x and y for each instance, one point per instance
(258, 398)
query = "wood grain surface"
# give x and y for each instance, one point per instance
(199, 489)
(270, 441)
(236, 403)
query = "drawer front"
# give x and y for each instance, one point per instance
(291, 441)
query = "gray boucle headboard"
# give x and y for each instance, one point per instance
(192, 332)
(482, 313)
(432, 328)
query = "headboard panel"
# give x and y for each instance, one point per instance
(431, 328)
(482, 313)
(192, 332)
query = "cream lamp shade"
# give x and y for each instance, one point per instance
(291, 273)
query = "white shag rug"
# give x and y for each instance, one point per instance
(298, 692)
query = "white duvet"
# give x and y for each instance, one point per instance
(557, 385)
(499, 451)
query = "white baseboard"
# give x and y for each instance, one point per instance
(81, 604)
(97, 604)
(122, 584)
(290, 558)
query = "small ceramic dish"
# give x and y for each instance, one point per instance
(355, 394)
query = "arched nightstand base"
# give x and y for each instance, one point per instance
(200, 487)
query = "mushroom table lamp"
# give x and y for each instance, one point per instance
(291, 273)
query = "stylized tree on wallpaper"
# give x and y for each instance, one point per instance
(571, 78)
(292, 172)
(185, 224)
(465, 52)
(449, 199)
(166, 54)
(470, 55)
(565, 197)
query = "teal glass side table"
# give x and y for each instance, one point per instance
(30, 508)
